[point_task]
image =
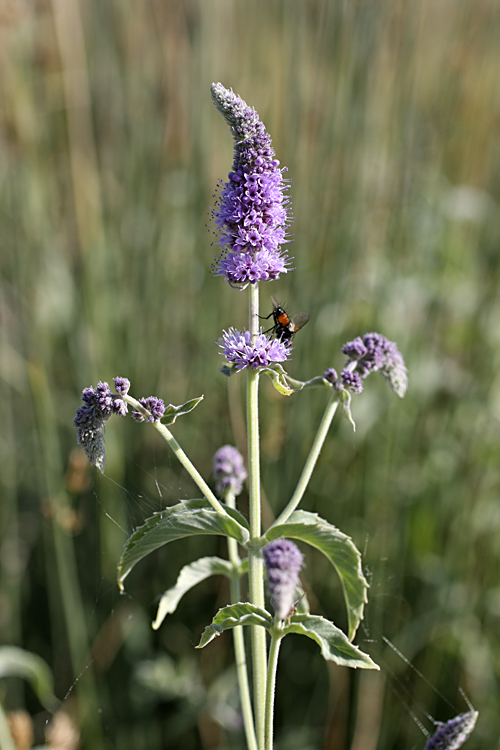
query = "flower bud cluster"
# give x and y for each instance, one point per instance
(229, 471)
(154, 405)
(283, 561)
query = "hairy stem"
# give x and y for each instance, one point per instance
(311, 459)
(255, 562)
(181, 456)
(239, 641)
(271, 688)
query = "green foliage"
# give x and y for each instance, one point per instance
(227, 618)
(332, 641)
(172, 412)
(340, 551)
(189, 576)
(188, 518)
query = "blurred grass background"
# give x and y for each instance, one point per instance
(387, 115)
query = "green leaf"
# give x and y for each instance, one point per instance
(279, 381)
(242, 613)
(189, 576)
(16, 662)
(188, 518)
(172, 412)
(339, 549)
(332, 641)
(346, 405)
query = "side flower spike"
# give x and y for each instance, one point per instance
(374, 353)
(229, 470)
(452, 734)
(98, 405)
(252, 212)
(283, 561)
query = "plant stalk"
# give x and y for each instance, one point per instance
(311, 459)
(271, 688)
(255, 562)
(180, 455)
(239, 641)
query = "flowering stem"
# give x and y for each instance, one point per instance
(238, 640)
(271, 687)
(255, 562)
(311, 459)
(181, 456)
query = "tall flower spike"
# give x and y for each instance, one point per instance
(229, 470)
(252, 212)
(283, 561)
(452, 734)
(239, 350)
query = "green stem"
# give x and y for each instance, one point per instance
(181, 456)
(255, 562)
(271, 687)
(239, 642)
(311, 459)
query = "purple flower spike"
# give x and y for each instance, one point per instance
(238, 349)
(452, 734)
(229, 471)
(330, 375)
(154, 405)
(375, 353)
(98, 405)
(252, 213)
(283, 561)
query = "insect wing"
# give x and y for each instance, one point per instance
(298, 321)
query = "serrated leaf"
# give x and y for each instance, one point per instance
(242, 613)
(189, 576)
(172, 412)
(339, 549)
(188, 518)
(16, 662)
(333, 643)
(346, 406)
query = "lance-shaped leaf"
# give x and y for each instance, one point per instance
(189, 576)
(333, 643)
(188, 518)
(172, 412)
(242, 613)
(16, 662)
(338, 548)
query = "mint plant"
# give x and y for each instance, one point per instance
(252, 216)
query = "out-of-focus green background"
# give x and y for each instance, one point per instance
(387, 115)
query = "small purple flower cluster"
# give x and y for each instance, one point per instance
(98, 405)
(229, 471)
(154, 405)
(252, 213)
(238, 349)
(374, 353)
(452, 734)
(283, 561)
